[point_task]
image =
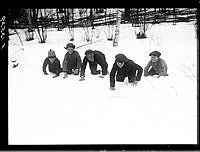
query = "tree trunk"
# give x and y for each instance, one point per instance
(118, 21)
(174, 13)
(58, 20)
(41, 26)
(29, 19)
(29, 33)
(92, 18)
(72, 26)
(127, 14)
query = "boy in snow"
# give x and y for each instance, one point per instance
(122, 68)
(158, 66)
(94, 58)
(72, 61)
(53, 64)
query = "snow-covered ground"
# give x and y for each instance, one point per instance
(46, 110)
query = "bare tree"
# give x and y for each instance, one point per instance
(70, 22)
(143, 26)
(41, 25)
(61, 18)
(29, 33)
(117, 30)
(109, 13)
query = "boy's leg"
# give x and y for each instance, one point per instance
(58, 71)
(61, 70)
(131, 78)
(69, 71)
(105, 69)
(152, 72)
(93, 69)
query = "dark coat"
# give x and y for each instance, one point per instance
(129, 68)
(53, 67)
(71, 61)
(99, 59)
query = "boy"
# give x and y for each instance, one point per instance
(122, 68)
(94, 58)
(53, 64)
(158, 66)
(72, 61)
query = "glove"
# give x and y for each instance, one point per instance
(112, 88)
(65, 76)
(162, 75)
(158, 76)
(76, 71)
(45, 73)
(101, 76)
(134, 83)
(55, 76)
(82, 78)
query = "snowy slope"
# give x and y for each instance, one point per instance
(46, 110)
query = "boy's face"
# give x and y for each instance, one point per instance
(120, 64)
(52, 59)
(90, 57)
(70, 50)
(154, 58)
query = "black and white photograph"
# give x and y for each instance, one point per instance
(102, 76)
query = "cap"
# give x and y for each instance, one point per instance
(155, 53)
(70, 45)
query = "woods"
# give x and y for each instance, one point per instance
(36, 21)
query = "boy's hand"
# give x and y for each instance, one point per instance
(55, 76)
(76, 71)
(82, 78)
(112, 88)
(101, 76)
(135, 83)
(65, 76)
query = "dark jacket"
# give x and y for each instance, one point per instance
(129, 68)
(53, 67)
(159, 66)
(71, 61)
(99, 58)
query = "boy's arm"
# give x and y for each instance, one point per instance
(45, 63)
(139, 72)
(147, 68)
(58, 67)
(79, 61)
(83, 67)
(65, 63)
(112, 76)
(162, 69)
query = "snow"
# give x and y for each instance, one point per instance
(45, 110)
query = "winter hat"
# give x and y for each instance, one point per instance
(121, 58)
(51, 53)
(155, 53)
(70, 45)
(88, 52)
